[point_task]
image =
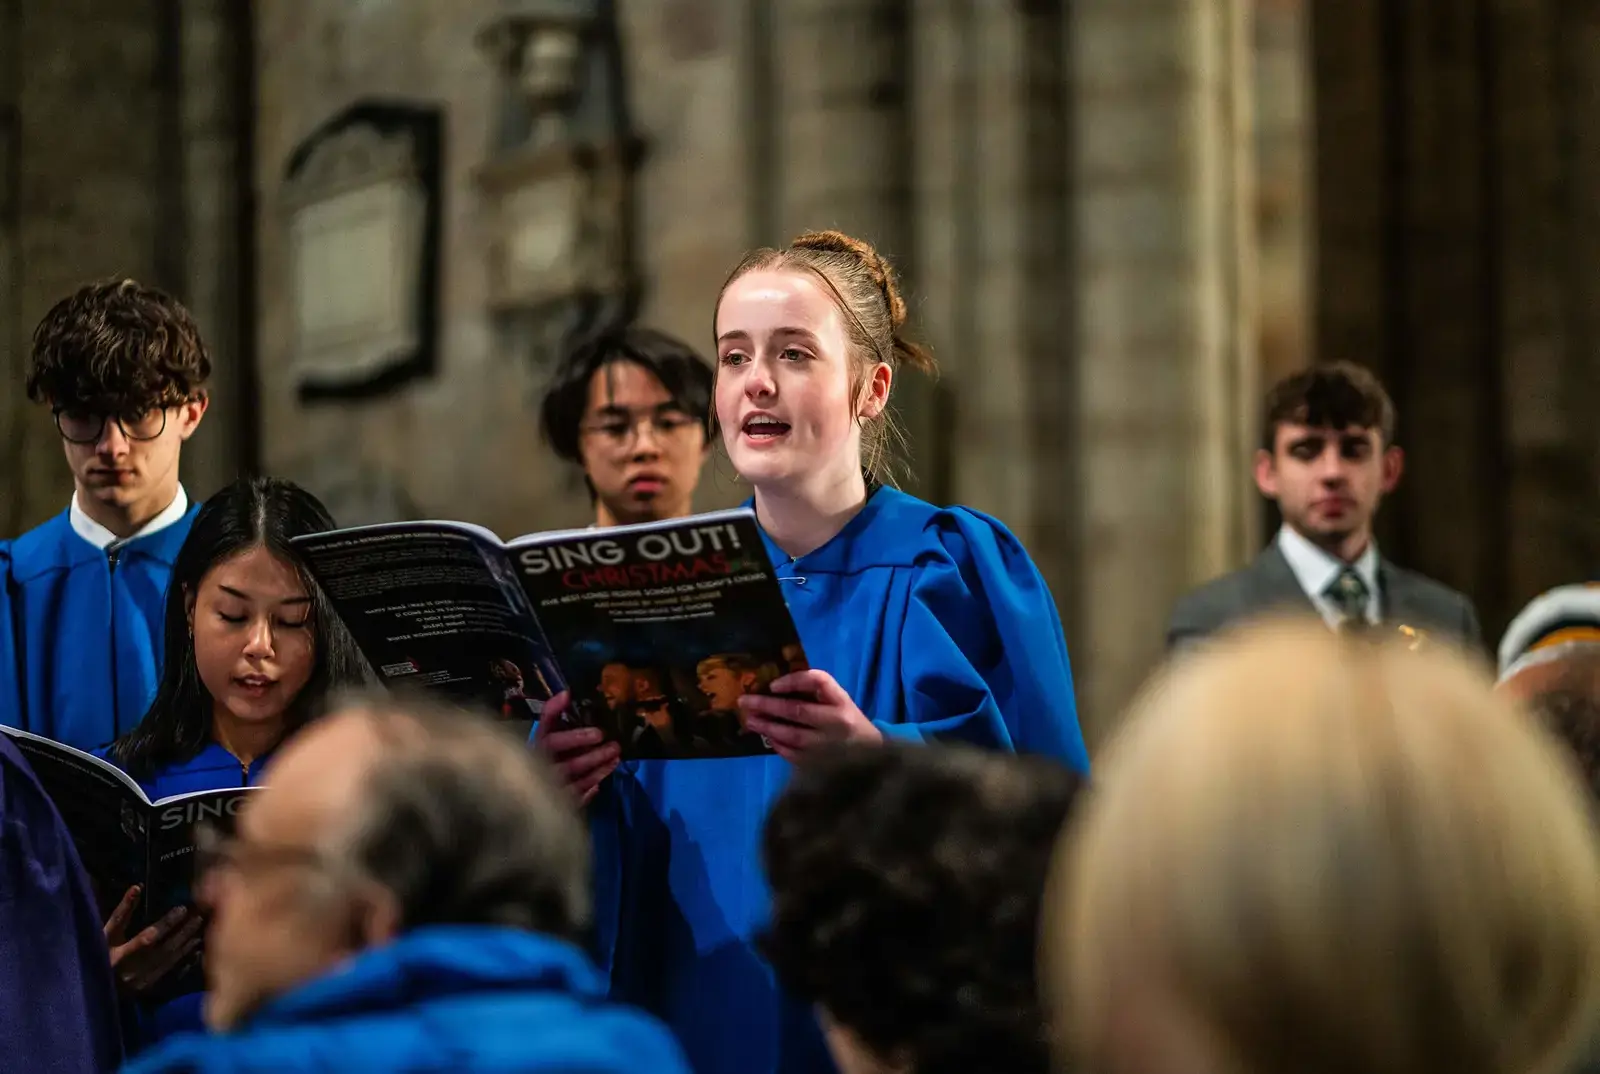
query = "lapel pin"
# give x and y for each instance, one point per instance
(1416, 638)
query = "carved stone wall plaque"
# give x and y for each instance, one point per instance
(362, 195)
(560, 219)
(534, 257)
(558, 185)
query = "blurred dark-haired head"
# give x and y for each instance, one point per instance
(906, 894)
(1337, 395)
(632, 408)
(1560, 684)
(247, 629)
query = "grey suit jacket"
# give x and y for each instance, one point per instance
(1269, 585)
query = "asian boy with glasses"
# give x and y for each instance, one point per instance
(632, 408)
(123, 370)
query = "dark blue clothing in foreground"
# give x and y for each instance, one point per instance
(58, 999)
(470, 1000)
(80, 644)
(941, 628)
(213, 768)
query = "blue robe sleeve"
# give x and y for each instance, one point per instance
(10, 664)
(983, 658)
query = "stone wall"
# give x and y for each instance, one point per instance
(1166, 340)
(464, 442)
(1066, 218)
(1284, 211)
(1455, 236)
(87, 150)
(1113, 220)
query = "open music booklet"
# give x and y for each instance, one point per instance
(124, 838)
(655, 628)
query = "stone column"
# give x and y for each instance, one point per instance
(1165, 338)
(1456, 238)
(845, 136)
(90, 112)
(995, 209)
(1407, 264)
(213, 135)
(13, 341)
(995, 226)
(1576, 44)
(843, 150)
(1282, 63)
(1547, 383)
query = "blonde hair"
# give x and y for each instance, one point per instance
(1331, 856)
(862, 283)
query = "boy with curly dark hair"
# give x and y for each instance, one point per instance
(123, 370)
(906, 884)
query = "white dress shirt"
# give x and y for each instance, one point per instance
(103, 539)
(1315, 569)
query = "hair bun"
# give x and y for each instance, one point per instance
(837, 242)
(834, 242)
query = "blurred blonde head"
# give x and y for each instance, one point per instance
(1316, 855)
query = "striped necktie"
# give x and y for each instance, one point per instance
(1348, 594)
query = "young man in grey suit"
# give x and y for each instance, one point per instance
(1328, 458)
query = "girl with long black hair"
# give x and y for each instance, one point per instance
(252, 648)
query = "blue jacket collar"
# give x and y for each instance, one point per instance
(213, 758)
(875, 537)
(55, 545)
(437, 961)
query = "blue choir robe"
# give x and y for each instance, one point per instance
(58, 999)
(84, 636)
(211, 769)
(467, 999)
(941, 628)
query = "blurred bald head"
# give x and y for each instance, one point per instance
(319, 777)
(454, 815)
(383, 817)
(1321, 854)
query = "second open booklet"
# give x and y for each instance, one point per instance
(656, 628)
(125, 839)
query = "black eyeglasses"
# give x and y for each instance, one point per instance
(621, 431)
(215, 849)
(87, 426)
